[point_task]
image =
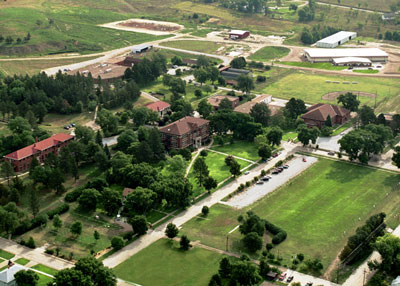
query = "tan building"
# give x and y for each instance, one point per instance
(215, 100)
(247, 106)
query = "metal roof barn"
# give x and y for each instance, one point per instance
(336, 39)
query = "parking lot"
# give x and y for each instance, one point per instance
(256, 192)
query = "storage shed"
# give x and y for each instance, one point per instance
(336, 39)
(238, 34)
(141, 48)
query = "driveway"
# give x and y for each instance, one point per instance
(296, 166)
(331, 143)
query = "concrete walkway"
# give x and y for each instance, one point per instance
(236, 157)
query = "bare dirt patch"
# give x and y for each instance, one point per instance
(334, 95)
(145, 26)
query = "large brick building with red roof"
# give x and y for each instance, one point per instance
(318, 114)
(22, 158)
(185, 132)
(161, 107)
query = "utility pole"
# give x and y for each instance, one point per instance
(227, 243)
(365, 272)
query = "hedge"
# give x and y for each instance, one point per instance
(279, 234)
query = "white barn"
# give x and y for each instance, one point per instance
(141, 48)
(336, 39)
(7, 275)
(327, 55)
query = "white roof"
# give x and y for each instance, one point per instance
(7, 275)
(333, 39)
(351, 60)
(345, 53)
(396, 282)
(238, 32)
(141, 47)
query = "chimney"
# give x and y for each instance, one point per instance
(36, 141)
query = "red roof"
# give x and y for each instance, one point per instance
(321, 111)
(39, 146)
(158, 105)
(184, 125)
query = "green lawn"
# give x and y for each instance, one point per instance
(6, 255)
(43, 280)
(342, 128)
(319, 210)
(269, 53)
(163, 263)
(323, 66)
(22, 261)
(45, 269)
(218, 170)
(197, 46)
(289, 136)
(366, 71)
(312, 87)
(243, 149)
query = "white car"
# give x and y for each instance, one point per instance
(247, 172)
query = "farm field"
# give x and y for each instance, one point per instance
(197, 46)
(269, 53)
(382, 5)
(32, 67)
(163, 263)
(319, 209)
(218, 170)
(312, 87)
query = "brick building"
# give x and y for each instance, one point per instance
(318, 114)
(22, 158)
(185, 132)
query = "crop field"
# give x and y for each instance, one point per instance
(31, 67)
(319, 209)
(311, 88)
(163, 263)
(381, 5)
(269, 53)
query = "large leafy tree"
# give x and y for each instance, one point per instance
(367, 115)
(294, 107)
(204, 108)
(396, 156)
(89, 199)
(26, 278)
(349, 101)
(111, 201)
(261, 113)
(274, 136)
(139, 224)
(200, 170)
(140, 201)
(245, 83)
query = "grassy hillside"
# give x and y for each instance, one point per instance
(376, 5)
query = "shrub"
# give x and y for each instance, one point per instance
(61, 209)
(269, 246)
(271, 256)
(279, 163)
(49, 251)
(205, 210)
(248, 184)
(117, 242)
(22, 242)
(128, 235)
(31, 243)
(281, 236)
(300, 256)
(263, 173)
(261, 78)
(74, 195)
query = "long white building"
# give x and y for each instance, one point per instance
(336, 39)
(327, 55)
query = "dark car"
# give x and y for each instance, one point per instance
(290, 279)
(331, 153)
(309, 284)
(275, 172)
(260, 183)
(66, 127)
(72, 124)
(275, 155)
(285, 166)
(265, 179)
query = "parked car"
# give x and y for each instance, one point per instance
(275, 155)
(275, 172)
(285, 166)
(260, 183)
(282, 276)
(290, 279)
(73, 124)
(331, 153)
(309, 284)
(304, 160)
(247, 172)
(265, 179)
(269, 177)
(280, 169)
(66, 127)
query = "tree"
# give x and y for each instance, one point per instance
(274, 136)
(200, 170)
(234, 168)
(225, 104)
(238, 63)
(7, 171)
(305, 134)
(210, 183)
(34, 202)
(139, 224)
(264, 268)
(225, 268)
(215, 280)
(31, 243)
(396, 157)
(261, 113)
(349, 101)
(367, 115)
(245, 273)
(200, 75)
(96, 235)
(171, 230)
(57, 222)
(140, 201)
(185, 242)
(294, 107)
(205, 210)
(253, 241)
(264, 151)
(381, 119)
(111, 201)
(76, 228)
(26, 278)
(117, 242)
(328, 121)
(204, 108)
(198, 93)
(89, 199)
(202, 61)
(245, 83)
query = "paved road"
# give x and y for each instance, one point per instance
(194, 210)
(331, 143)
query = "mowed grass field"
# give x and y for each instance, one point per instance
(243, 149)
(324, 66)
(269, 53)
(312, 87)
(163, 263)
(197, 46)
(31, 67)
(319, 210)
(381, 5)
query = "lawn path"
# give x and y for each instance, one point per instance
(236, 157)
(207, 147)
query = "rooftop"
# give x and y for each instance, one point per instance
(216, 99)
(39, 146)
(351, 60)
(339, 36)
(7, 275)
(158, 105)
(141, 47)
(238, 32)
(126, 192)
(184, 125)
(344, 53)
(321, 111)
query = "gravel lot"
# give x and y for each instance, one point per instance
(296, 166)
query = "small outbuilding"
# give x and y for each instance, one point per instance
(161, 107)
(7, 275)
(238, 34)
(141, 48)
(336, 39)
(352, 61)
